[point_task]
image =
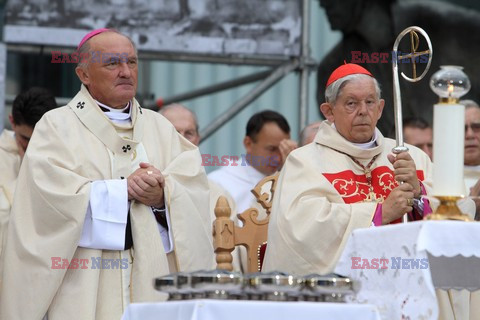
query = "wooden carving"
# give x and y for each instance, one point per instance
(223, 235)
(251, 235)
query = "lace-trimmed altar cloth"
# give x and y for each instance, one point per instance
(419, 258)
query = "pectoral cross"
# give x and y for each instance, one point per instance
(371, 197)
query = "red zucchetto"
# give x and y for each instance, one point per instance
(346, 70)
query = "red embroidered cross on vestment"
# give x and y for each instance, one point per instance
(355, 188)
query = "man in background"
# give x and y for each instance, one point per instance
(308, 133)
(186, 123)
(471, 156)
(267, 144)
(417, 132)
(27, 109)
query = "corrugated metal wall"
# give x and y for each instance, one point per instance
(170, 78)
(165, 79)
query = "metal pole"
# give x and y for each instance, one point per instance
(273, 78)
(304, 68)
(217, 87)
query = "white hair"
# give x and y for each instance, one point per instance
(334, 90)
(469, 104)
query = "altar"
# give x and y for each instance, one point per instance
(399, 267)
(251, 310)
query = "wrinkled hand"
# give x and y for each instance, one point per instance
(475, 194)
(396, 204)
(286, 146)
(146, 185)
(406, 171)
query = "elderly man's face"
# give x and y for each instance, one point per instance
(472, 137)
(184, 122)
(356, 111)
(111, 81)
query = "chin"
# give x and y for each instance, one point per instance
(362, 139)
(126, 96)
(472, 159)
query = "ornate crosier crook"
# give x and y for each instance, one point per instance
(397, 99)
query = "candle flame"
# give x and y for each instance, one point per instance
(450, 90)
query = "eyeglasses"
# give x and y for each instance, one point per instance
(475, 126)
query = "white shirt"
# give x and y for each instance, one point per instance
(238, 181)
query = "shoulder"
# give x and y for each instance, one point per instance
(153, 116)
(307, 153)
(418, 155)
(155, 121)
(9, 159)
(230, 172)
(62, 116)
(389, 144)
(217, 190)
(221, 173)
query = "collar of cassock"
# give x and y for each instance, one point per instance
(367, 145)
(118, 116)
(329, 137)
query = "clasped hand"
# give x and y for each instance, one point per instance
(146, 185)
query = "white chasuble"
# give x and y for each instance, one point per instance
(71, 147)
(9, 166)
(323, 195)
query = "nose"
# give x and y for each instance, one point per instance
(125, 71)
(469, 131)
(362, 108)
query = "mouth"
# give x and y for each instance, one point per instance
(125, 84)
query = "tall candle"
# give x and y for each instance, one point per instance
(448, 145)
(449, 83)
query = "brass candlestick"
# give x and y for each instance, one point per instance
(449, 83)
(448, 210)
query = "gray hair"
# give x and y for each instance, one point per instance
(469, 104)
(173, 106)
(84, 50)
(334, 90)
